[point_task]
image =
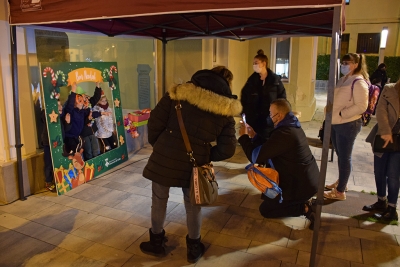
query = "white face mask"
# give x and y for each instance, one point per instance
(257, 68)
(345, 69)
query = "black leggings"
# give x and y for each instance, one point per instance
(108, 142)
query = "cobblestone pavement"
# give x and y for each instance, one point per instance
(102, 222)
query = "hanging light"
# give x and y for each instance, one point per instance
(384, 35)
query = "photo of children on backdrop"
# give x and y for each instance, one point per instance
(92, 120)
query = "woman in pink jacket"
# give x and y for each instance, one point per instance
(350, 101)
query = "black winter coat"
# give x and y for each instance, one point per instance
(379, 75)
(292, 158)
(256, 99)
(207, 113)
(77, 116)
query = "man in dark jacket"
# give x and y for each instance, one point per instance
(208, 107)
(292, 158)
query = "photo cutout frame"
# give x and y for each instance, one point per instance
(71, 168)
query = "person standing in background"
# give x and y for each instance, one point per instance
(261, 88)
(380, 73)
(348, 105)
(386, 165)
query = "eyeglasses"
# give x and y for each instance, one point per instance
(347, 62)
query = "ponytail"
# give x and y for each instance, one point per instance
(362, 66)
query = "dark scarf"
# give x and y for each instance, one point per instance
(103, 106)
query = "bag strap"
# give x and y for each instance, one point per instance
(254, 156)
(189, 150)
(352, 85)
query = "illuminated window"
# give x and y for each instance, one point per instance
(282, 57)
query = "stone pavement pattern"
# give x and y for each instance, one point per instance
(102, 223)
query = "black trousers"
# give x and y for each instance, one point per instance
(71, 144)
(271, 208)
(48, 165)
(107, 142)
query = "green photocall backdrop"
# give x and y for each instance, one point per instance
(70, 172)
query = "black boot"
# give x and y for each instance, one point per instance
(380, 205)
(155, 246)
(389, 214)
(310, 214)
(195, 249)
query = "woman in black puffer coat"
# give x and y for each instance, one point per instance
(261, 88)
(208, 107)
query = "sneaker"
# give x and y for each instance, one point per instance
(334, 185)
(334, 194)
(51, 187)
(380, 205)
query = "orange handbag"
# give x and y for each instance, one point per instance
(264, 179)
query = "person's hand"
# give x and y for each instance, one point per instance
(68, 118)
(90, 116)
(250, 131)
(246, 129)
(243, 129)
(106, 113)
(73, 87)
(98, 84)
(387, 138)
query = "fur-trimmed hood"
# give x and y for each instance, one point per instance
(205, 99)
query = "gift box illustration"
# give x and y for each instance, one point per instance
(139, 115)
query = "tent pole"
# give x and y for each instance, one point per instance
(18, 145)
(164, 56)
(327, 134)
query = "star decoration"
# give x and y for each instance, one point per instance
(53, 116)
(121, 139)
(116, 102)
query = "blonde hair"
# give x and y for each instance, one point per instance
(360, 59)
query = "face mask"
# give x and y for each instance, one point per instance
(257, 68)
(345, 69)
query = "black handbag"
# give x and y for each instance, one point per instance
(203, 186)
(390, 147)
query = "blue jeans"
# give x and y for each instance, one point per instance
(91, 147)
(159, 209)
(343, 137)
(387, 171)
